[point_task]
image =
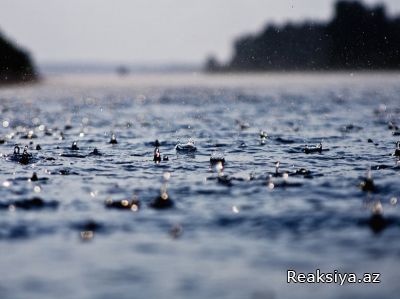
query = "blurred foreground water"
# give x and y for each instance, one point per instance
(232, 232)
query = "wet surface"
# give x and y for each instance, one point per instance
(103, 218)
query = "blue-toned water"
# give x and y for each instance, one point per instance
(233, 231)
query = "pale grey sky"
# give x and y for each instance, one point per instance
(147, 31)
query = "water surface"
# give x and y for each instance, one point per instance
(224, 238)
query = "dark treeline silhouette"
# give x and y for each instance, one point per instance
(15, 64)
(358, 37)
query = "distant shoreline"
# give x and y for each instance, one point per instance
(148, 81)
(201, 78)
(305, 71)
(7, 83)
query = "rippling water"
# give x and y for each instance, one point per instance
(229, 235)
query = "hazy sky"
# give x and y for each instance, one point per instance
(146, 31)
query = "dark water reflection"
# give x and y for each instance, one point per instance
(88, 227)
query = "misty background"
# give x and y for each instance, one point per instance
(142, 32)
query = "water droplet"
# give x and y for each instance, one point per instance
(87, 235)
(167, 176)
(6, 184)
(377, 208)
